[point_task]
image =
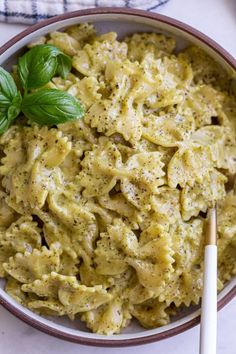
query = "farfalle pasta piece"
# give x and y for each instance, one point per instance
(41, 181)
(6, 251)
(103, 216)
(48, 307)
(13, 288)
(135, 293)
(143, 145)
(187, 243)
(229, 162)
(146, 168)
(83, 33)
(213, 137)
(93, 58)
(227, 266)
(151, 275)
(210, 135)
(70, 167)
(69, 262)
(90, 277)
(74, 215)
(55, 231)
(201, 195)
(172, 77)
(82, 137)
(121, 283)
(77, 130)
(86, 90)
(24, 235)
(153, 264)
(168, 129)
(151, 313)
(185, 282)
(52, 147)
(77, 218)
(113, 247)
(26, 267)
(227, 237)
(37, 41)
(81, 298)
(119, 204)
(100, 169)
(62, 84)
(117, 113)
(72, 295)
(186, 165)
(226, 216)
(12, 142)
(205, 69)
(64, 42)
(228, 111)
(107, 319)
(167, 154)
(203, 102)
(222, 144)
(140, 44)
(179, 68)
(183, 288)
(45, 150)
(145, 83)
(74, 244)
(49, 285)
(145, 175)
(166, 205)
(7, 214)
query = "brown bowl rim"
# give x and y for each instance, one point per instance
(232, 62)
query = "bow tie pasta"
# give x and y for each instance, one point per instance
(103, 219)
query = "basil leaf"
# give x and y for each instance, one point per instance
(4, 123)
(10, 100)
(64, 65)
(40, 64)
(37, 66)
(15, 107)
(51, 106)
(8, 90)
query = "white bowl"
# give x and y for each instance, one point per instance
(124, 22)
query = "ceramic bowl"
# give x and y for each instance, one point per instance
(124, 22)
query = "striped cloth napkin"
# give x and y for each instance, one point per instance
(31, 11)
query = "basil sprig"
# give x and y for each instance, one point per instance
(37, 66)
(64, 65)
(44, 106)
(10, 100)
(51, 105)
(8, 89)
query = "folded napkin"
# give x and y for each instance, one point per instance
(31, 11)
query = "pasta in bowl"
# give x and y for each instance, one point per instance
(103, 218)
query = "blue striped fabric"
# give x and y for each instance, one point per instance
(31, 11)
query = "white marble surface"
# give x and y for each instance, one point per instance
(216, 18)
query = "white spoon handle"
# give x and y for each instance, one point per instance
(209, 302)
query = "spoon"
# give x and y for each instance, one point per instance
(208, 325)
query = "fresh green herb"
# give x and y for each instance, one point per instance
(44, 106)
(8, 90)
(4, 123)
(15, 107)
(37, 66)
(10, 100)
(63, 65)
(50, 106)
